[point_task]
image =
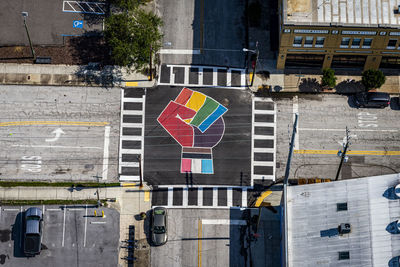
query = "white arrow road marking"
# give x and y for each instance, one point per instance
(343, 143)
(58, 133)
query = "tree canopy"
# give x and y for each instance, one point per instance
(132, 36)
(328, 78)
(372, 79)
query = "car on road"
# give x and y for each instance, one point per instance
(159, 226)
(372, 99)
(33, 231)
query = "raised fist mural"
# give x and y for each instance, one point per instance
(195, 121)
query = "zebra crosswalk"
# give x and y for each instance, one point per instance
(131, 145)
(263, 142)
(202, 76)
(200, 197)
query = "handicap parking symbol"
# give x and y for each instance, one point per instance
(78, 24)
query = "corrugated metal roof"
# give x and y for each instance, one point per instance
(362, 12)
(313, 208)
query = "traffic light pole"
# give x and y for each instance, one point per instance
(25, 14)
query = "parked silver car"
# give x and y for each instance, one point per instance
(33, 231)
(159, 226)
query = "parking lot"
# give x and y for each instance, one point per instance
(59, 134)
(72, 236)
(48, 21)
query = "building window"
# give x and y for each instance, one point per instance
(356, 43)
(344, 255)
(341, 206)
(392, 44)
(309, 41)
(320, 42)
(345, 42)
(298, 40)
(367, 43)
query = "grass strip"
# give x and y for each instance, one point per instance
(56, 184)
(48, 202)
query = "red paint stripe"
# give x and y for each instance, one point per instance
(184, 96)
(186, 165)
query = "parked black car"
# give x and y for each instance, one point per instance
(33, 231)
(372, 100)
(159, 226)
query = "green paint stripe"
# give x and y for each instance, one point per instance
(209, 106)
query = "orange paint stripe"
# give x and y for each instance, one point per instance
(184, 96)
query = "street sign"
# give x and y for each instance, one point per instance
(78, 24)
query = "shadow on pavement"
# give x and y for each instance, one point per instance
(309, 85)
(394, 103)
(17, 235)
(349, 87)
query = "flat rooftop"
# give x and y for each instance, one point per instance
(313, 220)
(364, 13)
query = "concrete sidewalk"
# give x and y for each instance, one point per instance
(64, 75)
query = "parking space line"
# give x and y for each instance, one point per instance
(53, 209)
(98, 222)
(75, 209)
(84, 237)
(11, 209)
(20, 243)
(106, 146)
(65, 209)
(199, 236)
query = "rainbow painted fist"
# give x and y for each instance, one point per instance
(195, 121)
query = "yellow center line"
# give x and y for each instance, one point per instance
(351, 152)
(199, 236)
(261, 198)
(77, 123)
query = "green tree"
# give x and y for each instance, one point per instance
(372, 79)
(132, 36)
(127, 4)
(328, 78)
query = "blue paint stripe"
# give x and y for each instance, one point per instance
(207, 166)
(212, 118)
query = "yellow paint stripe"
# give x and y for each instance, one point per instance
(199, 236)
(251, 76)
(127, 84)
(128, 184)
(352, 152)
(78, 123)
(147, 196)
(196, 101)
(261, 198)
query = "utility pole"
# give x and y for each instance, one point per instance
(140, 171)
(25, 14)
(291, 149)
(346, 145)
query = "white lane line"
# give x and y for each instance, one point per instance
(75, 209)
(0, 212)
(127, 178)
(98, 222)
(133, 112)
(296, 111)
(264, 177)
(180, 51)
(132, 99)
(131, 125)
(73, 147)
(263, 163)
(170, 195)
(274, 169)
(215, 76)
(264, 150)
(252, 142)
(120, 132)
(84, 237)
(186, 74)
(244, 197)
(185, 197)
(132, 137)
(43, 210)
(229, 197)
(200, 196)
(130, 164)
(65, 209)
(263, 137)
(105, 157)
(263, 111)
(215, 197)
(263, 124)
(142, 143)
(53, 209)
(223, 222)
(343, 130)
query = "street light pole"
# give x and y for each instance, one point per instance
(25, 14)
(255, 64)
(343, 154)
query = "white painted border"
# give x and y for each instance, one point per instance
(105, 156)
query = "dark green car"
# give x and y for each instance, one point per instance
(159, 226)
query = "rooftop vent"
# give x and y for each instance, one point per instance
(341, 206)
(344, 228)
(344, 255)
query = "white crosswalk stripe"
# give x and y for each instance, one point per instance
(202, 76)
(200, 197)
(131, 147)
(263, 141)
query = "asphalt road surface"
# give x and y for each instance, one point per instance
(374, 137)
(59, 133)
(217, 28)
(177, 153)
